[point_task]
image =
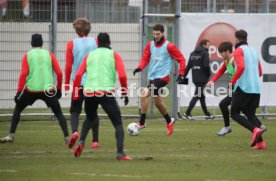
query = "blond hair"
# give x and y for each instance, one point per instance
(82, 26)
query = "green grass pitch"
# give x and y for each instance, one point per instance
(193, 152)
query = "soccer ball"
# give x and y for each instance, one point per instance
(133, 129)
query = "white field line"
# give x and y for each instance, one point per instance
(161, 129)
(8, 171)
(110, 175)
(219, 180)
(88, 150)
(106, 130)
(181, 156)
(87, 154)
(15, 157)
(256, 155)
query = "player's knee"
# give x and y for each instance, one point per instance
(234, 115)
(145, 92)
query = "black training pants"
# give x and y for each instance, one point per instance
(28, 98)
(111, 107)
(223, 105)
(75, 110)
(247, 103)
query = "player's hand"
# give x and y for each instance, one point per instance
(136, 71)
(16, 97)
(182, 80)
(59, 94)
(210, 83)
(126, 99)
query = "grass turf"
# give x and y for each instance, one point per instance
(193, 152)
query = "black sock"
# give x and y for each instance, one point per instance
(74, 121)
(63, 124)
(168, 118)
(142, 119)
(86, 126)
(95, 129)
(119, 133)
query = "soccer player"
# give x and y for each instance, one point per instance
(36, 81)
(226, 51)
(76, 50)
(100, 66)
(158, 54)
(246, 96)
(199, 63)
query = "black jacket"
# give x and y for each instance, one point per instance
(199, 63)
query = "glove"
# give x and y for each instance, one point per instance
(58, 94)
(182, 80)
(136, 71)
(126, 99)
(16, 97)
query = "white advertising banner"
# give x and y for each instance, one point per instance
(261, 29)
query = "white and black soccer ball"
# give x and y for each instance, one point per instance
(133, 129)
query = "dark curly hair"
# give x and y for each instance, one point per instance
(103, 40)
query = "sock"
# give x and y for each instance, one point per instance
(119, 133)
(167, 118)
(142, 119)
(74, 121)
(86, 126)
(95, 129)
(66, 139)
(63, 124)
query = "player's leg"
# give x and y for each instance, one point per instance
(255, 102)
(53, 103)
(90, 107)
(158, 100)
(162, 108)
(14, 122)
(239, 101)
(223, 105)
(262, 127)
(160, 104)
(111, 107)
(75, 110)
(250, 112)
(95, 132)
(145, 93)
(24, 100)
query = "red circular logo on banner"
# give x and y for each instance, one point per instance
(217, 33)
